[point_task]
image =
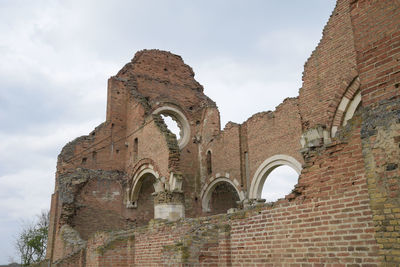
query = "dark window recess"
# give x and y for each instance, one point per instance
(209, 163)
(135, 149)
(84, 160)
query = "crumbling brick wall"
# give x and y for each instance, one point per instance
(377, 42)
(329, 70)
(344, 211)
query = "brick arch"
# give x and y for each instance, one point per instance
(347, 106)
(139, 165)
(266, 168)
(208, 189)
(135, 183)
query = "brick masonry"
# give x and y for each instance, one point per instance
(344, 210)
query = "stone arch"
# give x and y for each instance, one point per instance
(180, 119)
(347, 106)
(208, 189)
(351, 108)
(266, 168)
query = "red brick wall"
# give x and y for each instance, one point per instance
(223, 197)
(329, 224)
(272, 133)
(329, 70)
(224, 153)
(99, 208)
(377, 42)
(344, 210)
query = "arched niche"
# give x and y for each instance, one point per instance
(347, 106)
(208, 190)
(266, 168)
(140, 194)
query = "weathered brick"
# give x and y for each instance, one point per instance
(344, 211)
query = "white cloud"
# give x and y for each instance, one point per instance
(241, 89)
(19, 199)
(279, 183)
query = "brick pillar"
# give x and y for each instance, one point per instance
(377, 42)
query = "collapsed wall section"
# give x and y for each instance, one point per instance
(343, 211)
(329, 70)
(273, 133)
(332, 227)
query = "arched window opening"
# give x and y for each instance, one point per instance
(279, 182)
(223, 197)
(172, 125)
(176, 123)
(209, 163)
(135, 149)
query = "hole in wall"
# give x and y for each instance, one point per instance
(172, 125)
(176, 123)
(279, 183)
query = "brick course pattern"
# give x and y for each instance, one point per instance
(132, 193)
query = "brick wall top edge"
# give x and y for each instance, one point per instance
(270, 114)
(329, 69)
(230, 124)
(67, 152)
(156, 224)
(160, 76)
(324, 33)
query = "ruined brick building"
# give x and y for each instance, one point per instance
(132, 193)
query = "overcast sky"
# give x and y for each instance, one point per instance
(56, 57)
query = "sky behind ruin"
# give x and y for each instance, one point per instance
(56, 57)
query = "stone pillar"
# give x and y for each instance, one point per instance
(169, 205)
(169, 198)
